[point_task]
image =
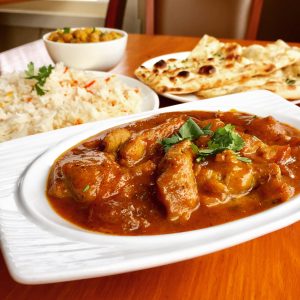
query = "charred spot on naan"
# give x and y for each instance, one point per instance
(229, 66)
(183, 74)
(207, 70)
(269, 68)
(161, 64)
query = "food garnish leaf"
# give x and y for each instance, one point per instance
(244, 159)
(41, 77)
(224, 138)
(168, 142)
(39, 90)
(202, 153)
(30, 70)
(66, 29)
(195, 148)
(189, 130)
(86, 188)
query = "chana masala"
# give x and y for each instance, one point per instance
(83, 35)
(176, 172)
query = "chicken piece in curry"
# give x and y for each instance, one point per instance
(176, 172)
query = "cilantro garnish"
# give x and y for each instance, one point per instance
(86, 188)
(244, 159)
(219, 55)
(66, 29)
(189, 130)
(224, 138)
(41, 77)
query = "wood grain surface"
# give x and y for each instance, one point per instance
(10, 1)
(265, 268)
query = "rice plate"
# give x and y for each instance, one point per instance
(71, 97)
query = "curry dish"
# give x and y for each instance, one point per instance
(175, 172)
(83, 35)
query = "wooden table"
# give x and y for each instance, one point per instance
(11, 1)
(265, 268)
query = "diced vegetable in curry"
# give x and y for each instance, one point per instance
(176, 172)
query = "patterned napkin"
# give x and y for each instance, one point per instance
(17, 59)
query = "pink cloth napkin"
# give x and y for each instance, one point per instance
(17, 59)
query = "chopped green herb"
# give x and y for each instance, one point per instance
(66, 29)
(224, 138)
(94, 29)
(30, 69)
(244, 159)
(219, 55)
(194, 148)
(41, 77)
(168, 142)
(86, 188)
(189, 130)
(290, 81)
(39, 90)
(202, 153)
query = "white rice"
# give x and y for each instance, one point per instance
(68, 101)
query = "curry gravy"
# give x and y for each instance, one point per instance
(123, 181)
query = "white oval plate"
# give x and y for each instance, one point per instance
(178, 55)
(39, 246)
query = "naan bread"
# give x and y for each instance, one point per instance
(284, 82)
(172, 76)
(213, 64)
(257, 58)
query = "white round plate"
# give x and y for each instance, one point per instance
(178, 55)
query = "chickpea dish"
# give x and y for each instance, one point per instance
(83, 35)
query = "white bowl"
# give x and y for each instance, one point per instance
(100, 56)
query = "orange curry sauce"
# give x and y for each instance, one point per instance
(123, 182)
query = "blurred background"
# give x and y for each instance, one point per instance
(26, 21)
